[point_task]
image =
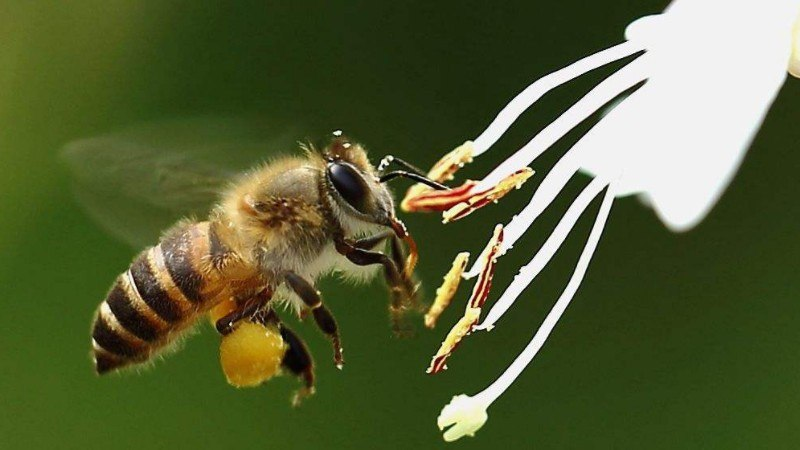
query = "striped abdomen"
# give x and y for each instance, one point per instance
(163, 292)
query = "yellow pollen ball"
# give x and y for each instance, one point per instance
(251, 354)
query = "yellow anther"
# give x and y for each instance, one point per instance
(447, 290)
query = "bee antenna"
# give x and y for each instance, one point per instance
(413, 176)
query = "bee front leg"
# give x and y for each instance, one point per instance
(408, 285)
(370, 242)
(322, 316)
(401, 286)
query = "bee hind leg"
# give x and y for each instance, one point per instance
(249, 308)
(297, 359)
(299, 362)
(322, 316)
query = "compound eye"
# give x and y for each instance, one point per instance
(350, 185)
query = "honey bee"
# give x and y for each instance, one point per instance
(273, 233)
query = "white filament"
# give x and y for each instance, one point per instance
(529, 272)
(604, 92)
(543, 85)
(607, 90)
(500, 385)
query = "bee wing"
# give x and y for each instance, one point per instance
(137, 182)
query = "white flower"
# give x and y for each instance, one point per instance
(711, 69)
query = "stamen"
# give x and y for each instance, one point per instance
(462, 201)
(552, 185)
(543, 85)
(501, 384)
(421, 198)
(529, 272)
(478, 200)
(607, 90)
(445, 293)
(604, 92)
(466, 414)
(447, 166)
(472, 311)
(442, 171)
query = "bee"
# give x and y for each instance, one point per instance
(273, 233)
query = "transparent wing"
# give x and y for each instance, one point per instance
(139, 181)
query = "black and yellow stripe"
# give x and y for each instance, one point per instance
(177, 253)
(168, 308)
(159, 294)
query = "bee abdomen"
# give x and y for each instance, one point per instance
(178, 252)
(155, 287)
(124, 331)
(159, 295)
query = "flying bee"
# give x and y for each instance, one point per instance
(273, 233)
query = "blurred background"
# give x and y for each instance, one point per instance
(687, 341)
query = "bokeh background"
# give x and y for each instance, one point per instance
(673, 341)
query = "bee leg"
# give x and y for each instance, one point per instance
(370, 242)
(401, 288)
(297, 359)
(322, 316)
(398, 257)
(250, 308)
(409, 285)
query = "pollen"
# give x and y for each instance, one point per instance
(478, 200)
(443, 170)
(425, 199)
(472, 313)
(446, 168)
(446, 292)
(251, 354)
(463, 200)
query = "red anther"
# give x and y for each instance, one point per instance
(480, 292)
(478, 200)
(425, 199)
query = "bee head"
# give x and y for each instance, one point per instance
(354, 183)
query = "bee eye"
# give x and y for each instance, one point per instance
(350, 185)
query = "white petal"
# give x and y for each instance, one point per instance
(714, 69)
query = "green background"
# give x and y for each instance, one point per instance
(673, 341)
